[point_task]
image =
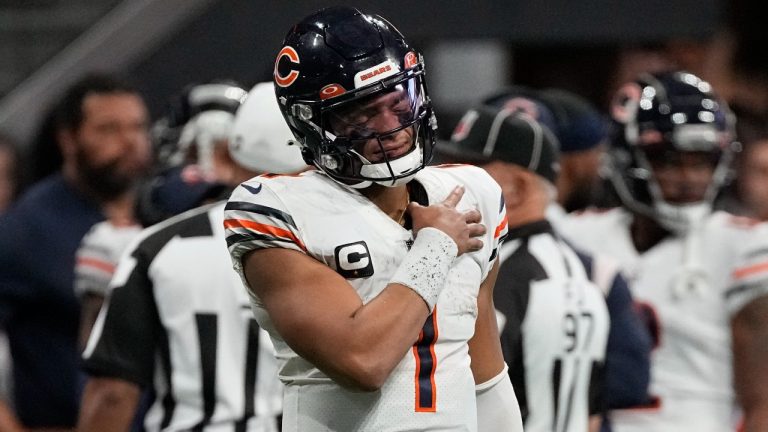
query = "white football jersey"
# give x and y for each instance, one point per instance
(693, 285)
(97, 257)
(432, 388)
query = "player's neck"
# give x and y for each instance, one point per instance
(646, 232)
(120, 211)
(391, 200)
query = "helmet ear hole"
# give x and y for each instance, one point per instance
(308, 155)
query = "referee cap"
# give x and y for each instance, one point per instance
(579, 125)
(485, 134)
(575, 122)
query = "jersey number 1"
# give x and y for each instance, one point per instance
(426, 363)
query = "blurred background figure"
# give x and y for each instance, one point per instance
(581, 127)
(192, 167)
(176, 293)
(10, 172)
(752, 178)
(193, 134)
(747, 193)
(554, 320)
(101, 129)
(581, 134)
(700, 274)
(9, 184)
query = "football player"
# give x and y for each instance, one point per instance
(372, 273)
(702, 274)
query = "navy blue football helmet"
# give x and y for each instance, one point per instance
(333, 70)
(657, 116)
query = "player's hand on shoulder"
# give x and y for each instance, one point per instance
(463, 227)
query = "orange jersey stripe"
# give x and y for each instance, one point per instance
(97, 264)
(264, 229)
(743, 272)
(501, 227)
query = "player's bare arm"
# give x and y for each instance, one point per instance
(497, 406)
(323, 319)
(8, 420)
(484, 347)
(108, 404)
(749, 329)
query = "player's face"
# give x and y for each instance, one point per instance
(112, 142)
(376, 126)
(579, 182)
(683, 177)
(753, 178)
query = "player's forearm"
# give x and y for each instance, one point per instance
(750, 355)
(108, 404)
(484, 347)
(756, 419)
(380, 332)
(595, 423)
(8, 421)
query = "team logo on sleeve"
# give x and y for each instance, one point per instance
(353, 260)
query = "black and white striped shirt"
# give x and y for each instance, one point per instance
(178, 321)
(554, 329)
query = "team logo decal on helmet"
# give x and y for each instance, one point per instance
(379, 72)
(411, 60)
(331, 90)
(293, 57)
(624, 103)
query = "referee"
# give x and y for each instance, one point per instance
(553, 320)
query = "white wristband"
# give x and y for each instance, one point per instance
(497, 406)
(426, 265)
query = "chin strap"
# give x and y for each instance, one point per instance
(397, 172)
(391, 173)
(681, 218)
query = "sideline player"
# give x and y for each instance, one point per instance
(373, 274)
(702, 274)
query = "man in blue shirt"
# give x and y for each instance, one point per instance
(101, 131)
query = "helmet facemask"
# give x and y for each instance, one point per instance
(637, 183)
(382, 133)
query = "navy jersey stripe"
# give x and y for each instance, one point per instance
(262, 210)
